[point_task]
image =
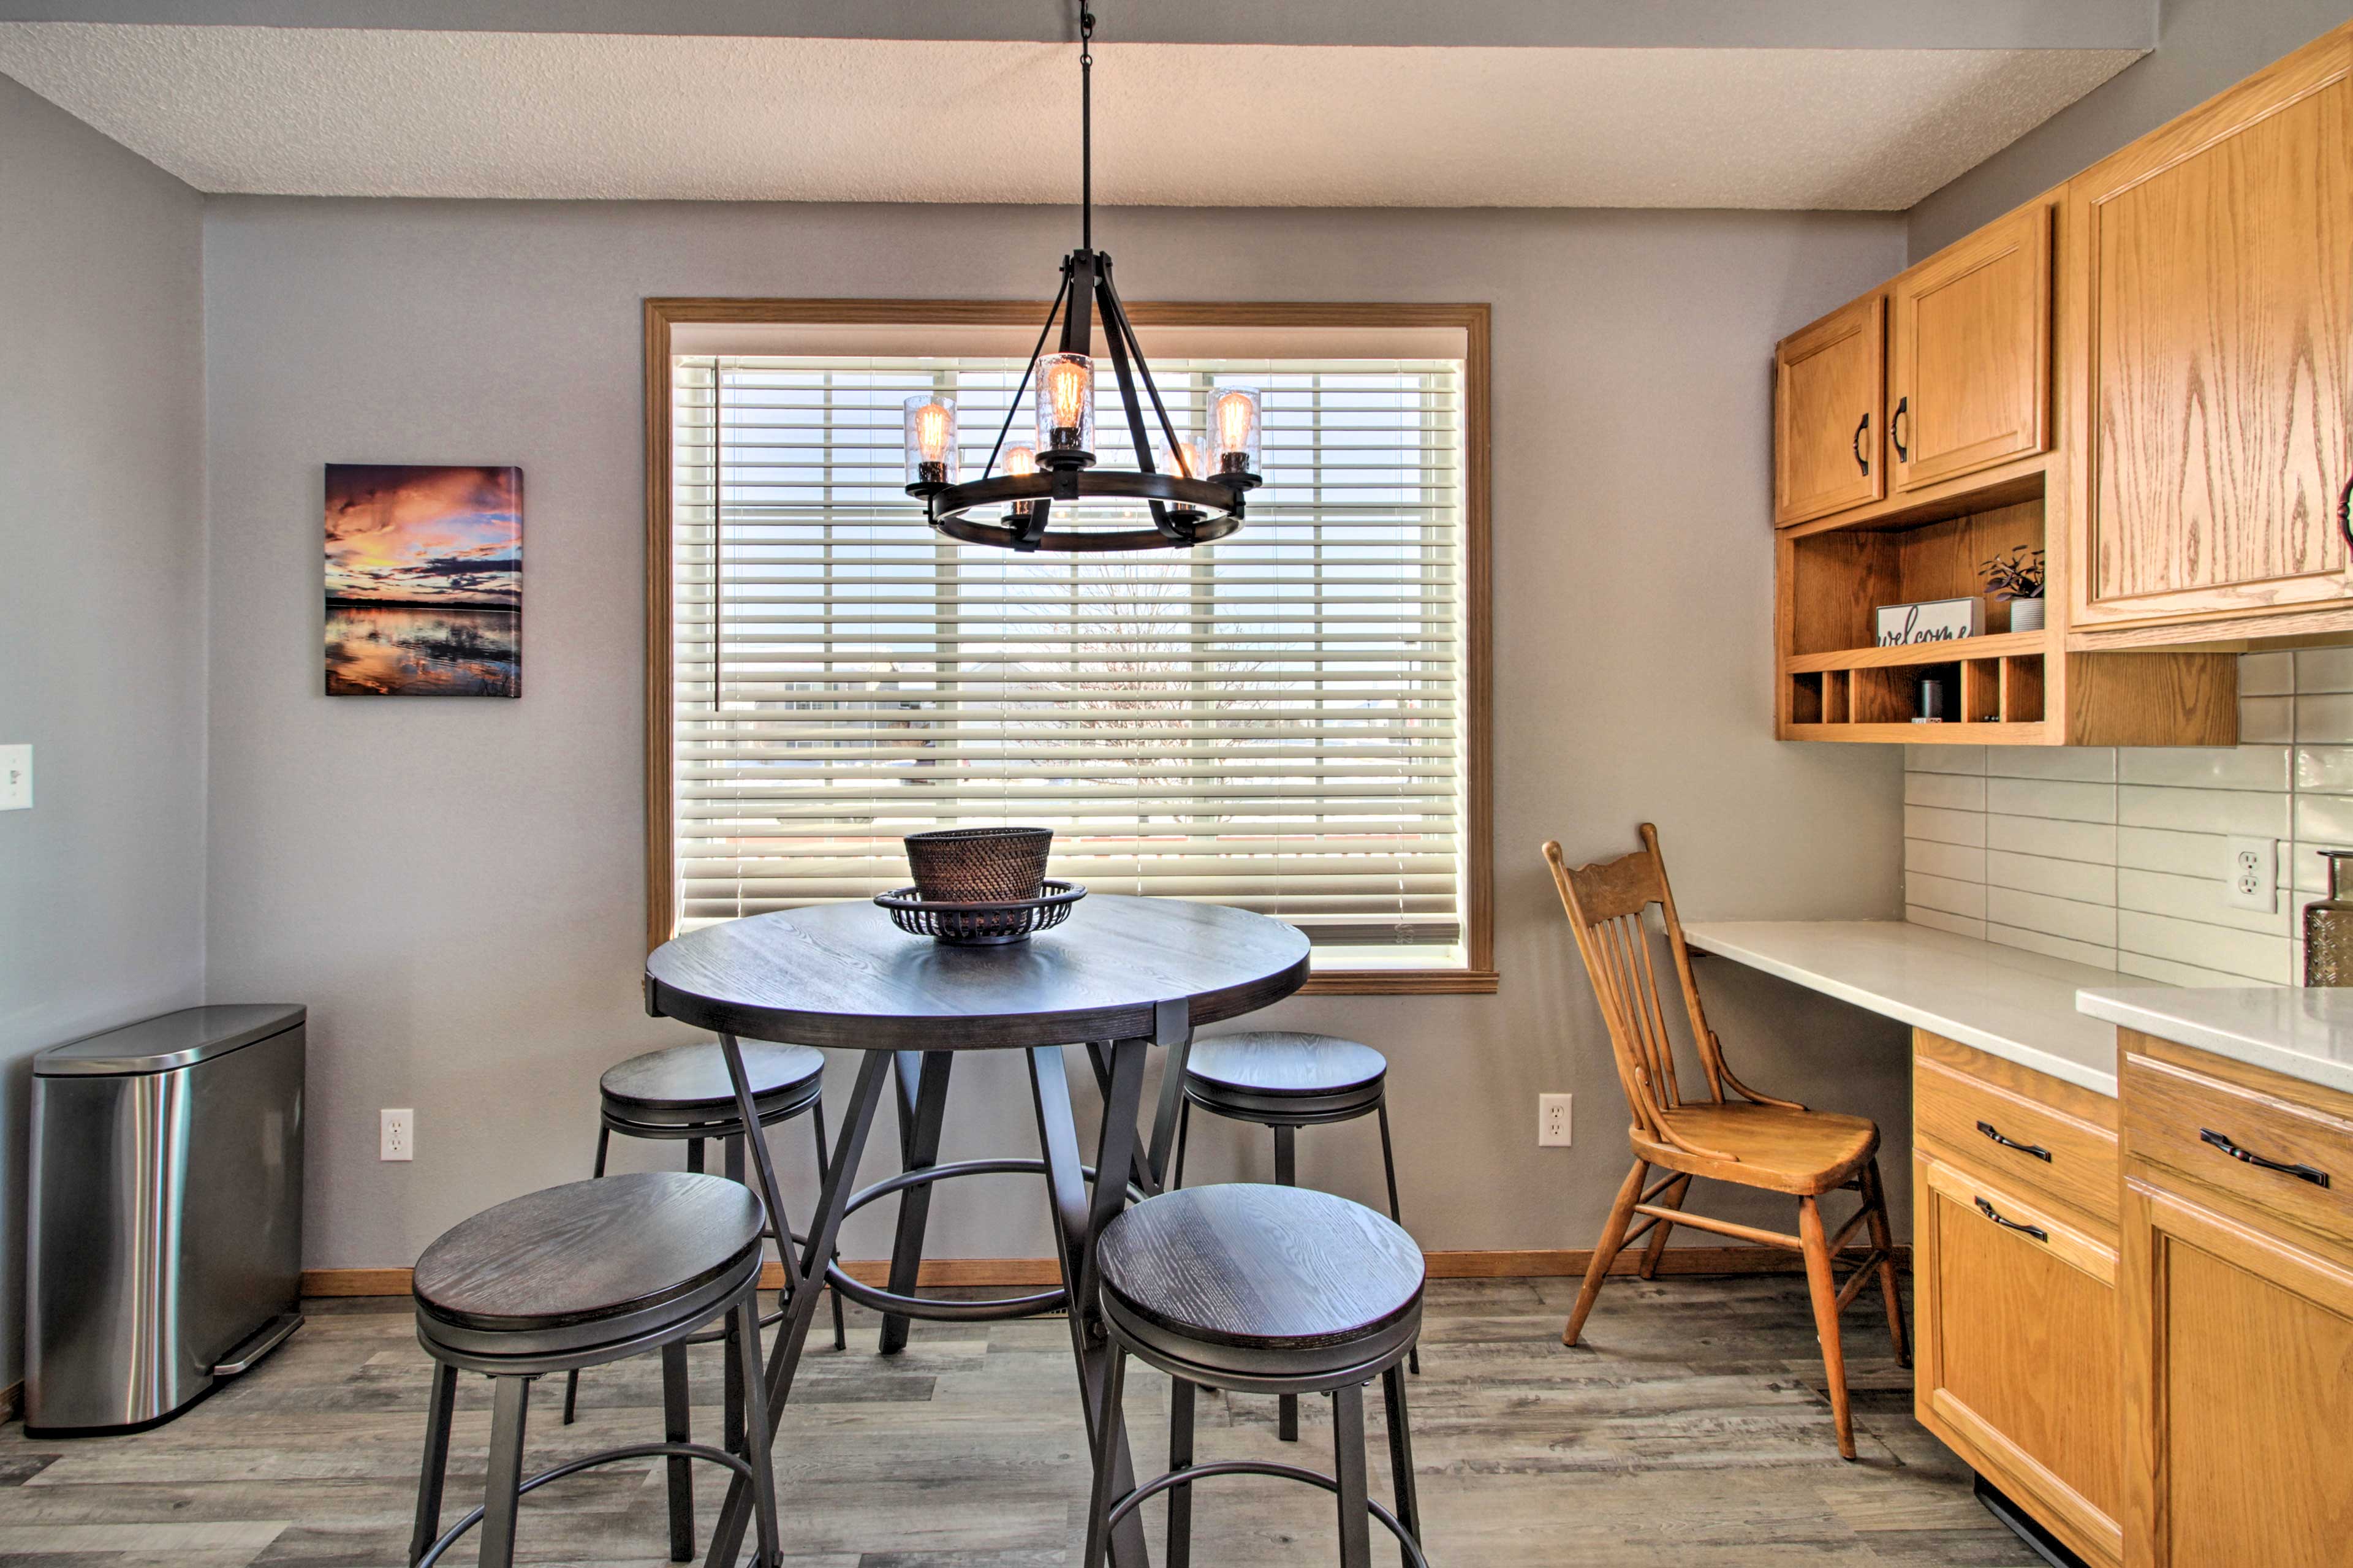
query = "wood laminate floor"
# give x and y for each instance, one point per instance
(1690, 1429)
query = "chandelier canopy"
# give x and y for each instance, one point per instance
(1040, 497)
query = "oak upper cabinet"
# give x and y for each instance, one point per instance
(1970, 352)
(2236, 1297)
(1829, 396)
(2213, 338)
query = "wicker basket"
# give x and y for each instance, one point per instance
(979, 865)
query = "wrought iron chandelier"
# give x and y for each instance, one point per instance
(1194, 493)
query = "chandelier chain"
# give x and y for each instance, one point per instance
(1086, 127)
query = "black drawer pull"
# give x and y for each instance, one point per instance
(2037, 1150)
(2036, 1231)
(1856, 445)
(1896, 429)
(2319, 1178)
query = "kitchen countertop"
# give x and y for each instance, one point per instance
(2299, 1033)
(2007, 1002)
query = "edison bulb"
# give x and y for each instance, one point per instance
(1184, 460)
(1066, 404)
(931, 441)
(1019, 461)
(1234, 430)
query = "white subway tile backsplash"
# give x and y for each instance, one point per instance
(2262, 958)
(2328, 769)
(2083, 881)
(2202, 810)
(1943, 759)
(2270, 720)
(2325, 720)
(2308, 870)
(2266, 674)
(2095, 841)
(2093, 923)
(2082, 764)
(1953, 792)
(2205, 767)
(2316, 670)
(1944, 826)
(2193, 898)
(2169, 850)
(2048, 797)
(1967, 899)
(2166, 971)
(2056, 946)
(2324, 818)
(1963, 860)
(1938, 920)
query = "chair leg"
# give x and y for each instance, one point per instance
(1408, 1495)
(1106, 1446)
(1348, 1470)
(503, 1487)
(1184, 1131)
(1883, 1238)
(1673, 1198)
(597, 1174)
(757, 1445)
(436, 1461)
(1605, 1252)
(1180, 1457)
(1389, 1171)
(731, 1155)
(1823, 1287)
(694, 1155)
(678, 1427)
(1286, 1174)
(824, 1175)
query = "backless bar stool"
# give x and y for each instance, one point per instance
(577, 1276)
(682, 1093)
(1284, 1079)
(1277, 1289)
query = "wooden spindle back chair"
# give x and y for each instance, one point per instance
(1750, 1139)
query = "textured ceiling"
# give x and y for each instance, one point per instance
(316, 111)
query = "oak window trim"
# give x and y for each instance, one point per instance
(662, 315)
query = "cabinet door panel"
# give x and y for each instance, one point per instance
(2018, 1352)
(1828, 383)
(2221, 338)
(1972, 353)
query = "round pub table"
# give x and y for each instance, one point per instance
(1119, 977)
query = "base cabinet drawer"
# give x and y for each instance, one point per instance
(2018, 1366)
(2029, 1146)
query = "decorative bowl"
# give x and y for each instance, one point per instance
(980, 924)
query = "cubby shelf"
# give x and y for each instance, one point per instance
(2000, 644)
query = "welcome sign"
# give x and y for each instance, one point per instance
(1936, 620)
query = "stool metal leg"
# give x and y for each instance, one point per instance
(1184, 1131)
(825, 1169)
(694, 1155)
(677, 1429)
(1409, 1498)
(436, 1461)
(922, 1110)
(731, 1379)
(1348, 1470)
(1180, 1457)
(1107, 1434)
(1286, 1174)
(1388, 1170)
(746, 1341)
(503, 1487)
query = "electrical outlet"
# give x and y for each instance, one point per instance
(15, 778)
(396, 1137)
(2248, 872)
(1551, 1120)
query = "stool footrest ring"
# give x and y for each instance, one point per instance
(1134, 1499)
(449, 1537)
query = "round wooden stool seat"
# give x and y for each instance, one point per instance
(1265, 1287)
(593, 1266)
(1297, 1077)
(684, 1089)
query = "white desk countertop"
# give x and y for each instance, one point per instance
(2297, 1032)
(2005, 1001)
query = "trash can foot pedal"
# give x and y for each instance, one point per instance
(268, 1337)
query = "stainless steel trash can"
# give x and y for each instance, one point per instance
(166, 1213)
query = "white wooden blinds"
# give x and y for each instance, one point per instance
(1273, 721)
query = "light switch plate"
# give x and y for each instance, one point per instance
(15, 778)
(2250, 872)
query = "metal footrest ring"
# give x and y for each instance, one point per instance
(449, 1537)
(1187, 1476)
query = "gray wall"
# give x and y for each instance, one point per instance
(102, 607)
(455, 888)
(2203, 47)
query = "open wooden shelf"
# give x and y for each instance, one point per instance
(1997, 645)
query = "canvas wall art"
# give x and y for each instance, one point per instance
(424, 580)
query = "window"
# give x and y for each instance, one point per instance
(1288, 721)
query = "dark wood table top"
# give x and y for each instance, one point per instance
(843, 975)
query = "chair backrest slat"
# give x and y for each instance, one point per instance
(1605, 902)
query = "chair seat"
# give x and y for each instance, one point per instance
(687, 1086)
(587, 1263)
(1284, 1072)
(1288, 1277)
(1806, 1152)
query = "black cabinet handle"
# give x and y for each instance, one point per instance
(1856, 445)
(2318, 1177)
(2037, 1150)
(2345, 513)
(2036, 1231)
(1896, 429)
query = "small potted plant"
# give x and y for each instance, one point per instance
(2018, 577)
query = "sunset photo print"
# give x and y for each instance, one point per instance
(424, 580)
